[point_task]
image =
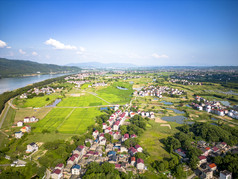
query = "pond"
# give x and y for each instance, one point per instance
(105, 108)
(167, 103)
(214, 119)
(215, 124)
(54, 103)
(131, 82)
(121, 88)
(188, 105)
(176, 111)
(178, 119)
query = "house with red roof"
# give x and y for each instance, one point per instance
(116, 135)
(117, 165)
(104, 126)
(60, 166)
(116, 125)
(132, 151)
(107, 130)
(133, 136)
(56, 174)
(215, 149)
(95, 134)
(138, 148)
(180, 152)
(133, 161)
(140, 164)
(101, 136)
(212, 166)
(202, 159)
(125, 137)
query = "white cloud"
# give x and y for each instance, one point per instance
(34, 53)
(22, 52)
(9, 47)
(2, 44)
(82, 49)
(58, 45)
(155, 55)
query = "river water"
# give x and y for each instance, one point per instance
(9, 84)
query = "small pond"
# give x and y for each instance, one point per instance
(214, 119)
(121, 88)
(54, 103)
(105, 108)
(176, 111)
(167, 103)
(178, 119)
(188, 105)
(131, 82)
(215, 124)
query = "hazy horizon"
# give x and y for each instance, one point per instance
(144, 33)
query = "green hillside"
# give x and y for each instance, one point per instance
(11, 68)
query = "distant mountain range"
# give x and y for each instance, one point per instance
(102, 65)
(13, 68)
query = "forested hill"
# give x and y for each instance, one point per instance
(11, 68)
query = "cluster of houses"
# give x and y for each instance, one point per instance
(184, 82)
(214, 107)
(26, 128)
(157, 91)
(207, 169)
(101, 151)
(99, 84)
(48, 90)
(77, 83)
(23, 130)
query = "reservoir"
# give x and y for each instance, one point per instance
(9, 84)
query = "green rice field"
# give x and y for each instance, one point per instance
(82, 101)
(68, 120)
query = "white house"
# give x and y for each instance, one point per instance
(20, 123)
(225, 175)
(75, 170)
(26, 119)
(139, 148)
(31, 147)
(140, 164)
(18, 135)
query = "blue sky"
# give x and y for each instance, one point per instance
(166, 32)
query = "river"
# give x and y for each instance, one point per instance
(9, 84)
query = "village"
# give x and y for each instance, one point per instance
(214, 107)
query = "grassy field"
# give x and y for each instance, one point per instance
(52, 120)
(114, 95)
(151, 139)
(82, 101)
(67, 120)
(28, 112)
(38, 101)
(79, 120)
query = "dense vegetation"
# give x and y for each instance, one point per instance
(11, 68)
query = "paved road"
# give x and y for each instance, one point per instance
(4, 116)
(99, 97)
